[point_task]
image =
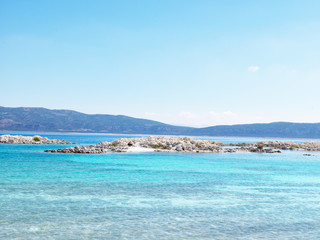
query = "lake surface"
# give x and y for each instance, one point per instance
(157, 195)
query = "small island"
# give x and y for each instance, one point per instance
(18, 139)
(186, 144)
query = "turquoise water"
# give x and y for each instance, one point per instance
(157, 195)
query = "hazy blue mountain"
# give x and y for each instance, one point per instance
(42, 119)
(275, 129)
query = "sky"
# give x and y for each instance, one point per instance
(192, 63)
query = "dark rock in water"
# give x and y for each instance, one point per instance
(265, 150)
(51, 151)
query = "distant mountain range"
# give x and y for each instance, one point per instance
(46, 120)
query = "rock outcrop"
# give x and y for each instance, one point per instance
(158, 144)
(289, 145)
(164, 144)
(18, 139)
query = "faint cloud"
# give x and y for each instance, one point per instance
(203, 119)
(222, 115)
(211, 118)
(150, 114)
(253, 68)
(188, 115)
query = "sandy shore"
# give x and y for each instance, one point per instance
(140, 149)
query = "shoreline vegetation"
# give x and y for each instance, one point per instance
(186, 144)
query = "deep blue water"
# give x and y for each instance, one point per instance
(157, 195)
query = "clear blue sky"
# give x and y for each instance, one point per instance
(194, 63)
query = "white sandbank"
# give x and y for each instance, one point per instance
(140, 149)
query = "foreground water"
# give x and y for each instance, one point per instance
(157, 195)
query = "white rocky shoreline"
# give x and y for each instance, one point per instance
(186, 144)
(164, 144)
(18, 139)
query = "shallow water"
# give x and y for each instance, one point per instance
(157, 195)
